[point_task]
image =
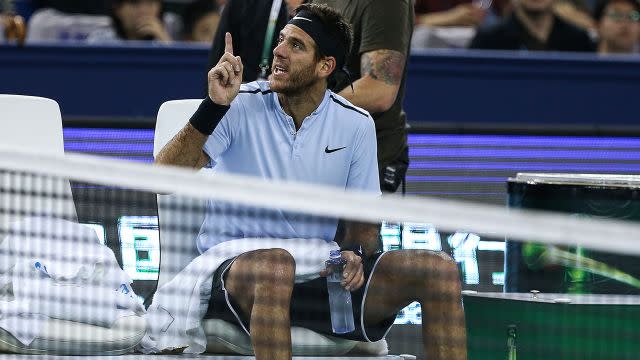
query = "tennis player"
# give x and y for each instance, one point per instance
(293, 128)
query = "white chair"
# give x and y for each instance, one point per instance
(178, 248)
(31, 123)
(35, 123)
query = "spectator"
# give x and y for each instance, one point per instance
(51, 25)
(618, 26)
(134, 20)
(453, 12)
(247, 21)
(378, 65)
(533, 25)
(201, 19)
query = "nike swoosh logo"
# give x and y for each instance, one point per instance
(329, 151)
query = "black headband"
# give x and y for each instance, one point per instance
(313, 26)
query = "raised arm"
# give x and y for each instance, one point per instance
(186, 148)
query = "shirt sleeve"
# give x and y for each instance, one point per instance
(363, 173)
(386, 25)
(223, 135)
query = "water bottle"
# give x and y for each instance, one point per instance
(511, 342)
(339, 297)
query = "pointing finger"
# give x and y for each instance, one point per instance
(228, 43)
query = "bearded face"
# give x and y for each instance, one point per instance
(294, 67)
(292, 78)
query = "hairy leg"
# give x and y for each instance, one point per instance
(261, 283)
(431, 278)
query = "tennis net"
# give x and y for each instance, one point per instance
(91, 241)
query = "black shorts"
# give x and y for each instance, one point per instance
(309, 306)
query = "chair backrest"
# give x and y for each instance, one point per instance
(178, 227)
(35, 124)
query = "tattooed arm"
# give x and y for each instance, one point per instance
(381, 74)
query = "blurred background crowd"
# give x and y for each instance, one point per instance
(603, 26)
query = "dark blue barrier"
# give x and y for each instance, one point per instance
(475, 89)
(455, 90)
(105, 82)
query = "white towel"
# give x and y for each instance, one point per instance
(59, 269)
(16, 319)
(174, 318)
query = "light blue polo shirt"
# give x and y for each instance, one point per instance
(335, 146)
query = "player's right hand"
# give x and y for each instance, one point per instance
(225, 78)
(353, 272)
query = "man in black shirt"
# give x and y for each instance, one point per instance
(533, 26)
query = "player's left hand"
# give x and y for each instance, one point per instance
(353, 273)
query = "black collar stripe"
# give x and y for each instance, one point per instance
(255, 91)
(348, 107)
